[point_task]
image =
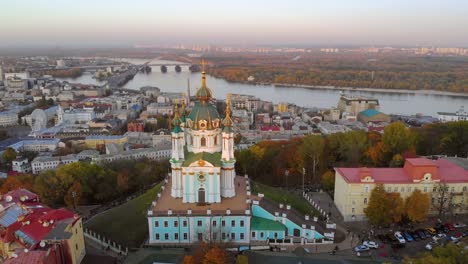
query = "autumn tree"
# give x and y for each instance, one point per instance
(384, 208)
(442, 200)
(215, 255)
(328, 181)
(397, 161)
(312, 150)
(188, 259)
(417, 206)
(73, 197)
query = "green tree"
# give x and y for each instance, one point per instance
(397, 161)
(449, 254)
(397, 139)
(9, 155)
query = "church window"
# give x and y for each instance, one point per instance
(233, 223)
(203, 142)
(176, 236)
(199, 223)
(242, 223)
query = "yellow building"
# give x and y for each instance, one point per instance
(94, 141)
(353, 186)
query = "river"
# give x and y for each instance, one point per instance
(391, 103)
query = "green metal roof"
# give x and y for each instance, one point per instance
(213, 158)
(260, 223)
(203, 111)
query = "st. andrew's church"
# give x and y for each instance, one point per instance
(204, 200)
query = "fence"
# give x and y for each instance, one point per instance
(105, 243)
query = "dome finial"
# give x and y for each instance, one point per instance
(176, 119)
(203, 73)
(227, 122)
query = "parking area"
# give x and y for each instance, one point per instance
(410, 241)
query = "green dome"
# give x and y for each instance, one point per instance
(204, 93)
(203, 111)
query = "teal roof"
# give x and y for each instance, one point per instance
(203, 111)
(260, 223)
(213, 158)
(370, 112)
(177, 129)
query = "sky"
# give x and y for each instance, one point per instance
(240, 22)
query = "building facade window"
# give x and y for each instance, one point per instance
(233, 236)
(352, 210)
(366, 188)
(425, 188)
(253, 234)
(157, 236)
(166, 236)
(185, 236)
(223, 235)
(166, 224)
(453, 189)
(215, 236)
(156, 223)
(176, 223)
(434, 189)
(176, 236)
(214, 222)
(242, 223)
(464, 188)
(276, 235)
(365, 200)
(242, 236)
(184, 223)
(261, 234)
(223, 223)
(203, 142)
(199, 223)
(233, 223)
(409, 189)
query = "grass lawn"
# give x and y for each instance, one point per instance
(126, 224)
(285, 197)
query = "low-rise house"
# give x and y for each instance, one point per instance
(21, 165)
(42, 163)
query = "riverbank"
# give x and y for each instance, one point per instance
(372, 90)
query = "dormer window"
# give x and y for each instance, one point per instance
(202, 124)
(427, 177)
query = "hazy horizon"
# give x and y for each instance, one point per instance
(86, 23)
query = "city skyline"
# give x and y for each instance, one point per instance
(124, 23)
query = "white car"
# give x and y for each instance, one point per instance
(459, 225)
(438, 237)
(428, 246)
(400, 237)
(371, 244)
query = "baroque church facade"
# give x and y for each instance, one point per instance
(204, 200)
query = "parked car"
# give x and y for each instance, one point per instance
(426, 233)
(407, 236)
(458, 235)
(450, 227)
(414, 235)
(431, 230)
(465, 233)
(429, 246)
(459, 225)
(420, 233)
(438, 237)
(397, 245)
(361, 248)
(370, 244)
(399, 237)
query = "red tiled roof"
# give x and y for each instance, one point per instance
(446, 171)
(18, 193)
(31, 257)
